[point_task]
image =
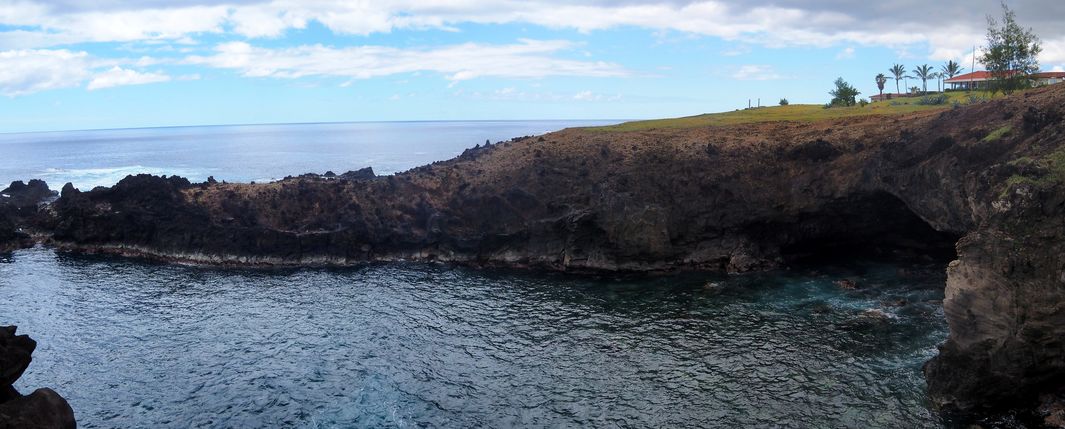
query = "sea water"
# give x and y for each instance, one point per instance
(246, 153)
(138, 344)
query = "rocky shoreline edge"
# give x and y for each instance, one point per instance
(986, 182)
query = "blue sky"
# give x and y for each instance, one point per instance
(109, 64)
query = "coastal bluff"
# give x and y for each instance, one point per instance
(982, 183)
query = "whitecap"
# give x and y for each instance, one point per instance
(88, 178)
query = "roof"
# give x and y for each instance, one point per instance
(986, 75)
(976, 75)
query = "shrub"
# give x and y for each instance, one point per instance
(933, 100)
(863, 102)
(783, 101)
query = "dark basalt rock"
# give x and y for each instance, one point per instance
(360, 174)
(43, 409)
(18, 206)
(759, 197)
(23, 195)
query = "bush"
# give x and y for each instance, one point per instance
(973, 99)
(783, 101)
(863, 102)
(844, 94)
(933, 100)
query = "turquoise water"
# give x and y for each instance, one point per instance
(244, 153)
(135, 344)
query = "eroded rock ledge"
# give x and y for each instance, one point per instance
(735, 198)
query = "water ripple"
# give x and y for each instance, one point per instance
(135, 344)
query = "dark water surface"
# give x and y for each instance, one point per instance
(134, 344)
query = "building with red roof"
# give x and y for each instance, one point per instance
(980, 79)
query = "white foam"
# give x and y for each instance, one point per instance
(88, 178)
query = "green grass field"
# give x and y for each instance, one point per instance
(795, 112)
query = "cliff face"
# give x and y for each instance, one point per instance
(735, 198)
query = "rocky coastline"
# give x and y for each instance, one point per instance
(984, 184)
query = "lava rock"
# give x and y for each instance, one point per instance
(42, 409)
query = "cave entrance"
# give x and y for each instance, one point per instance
(875, 225)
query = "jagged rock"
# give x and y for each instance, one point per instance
(21, 194)
(18, 205)
(42, 409)
(360, 174)
(15, 351)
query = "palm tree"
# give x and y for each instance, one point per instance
(951, 69)
(880, 81)
(899, 71)
(923, 72)
(939, 80)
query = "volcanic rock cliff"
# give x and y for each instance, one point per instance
(988, 177)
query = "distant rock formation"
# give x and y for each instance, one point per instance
(18, 205)
(42, 409)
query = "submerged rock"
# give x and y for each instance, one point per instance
(846, 284)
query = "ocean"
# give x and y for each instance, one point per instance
(132, 343)
(246, 153)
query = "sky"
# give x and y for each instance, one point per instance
(77, 64)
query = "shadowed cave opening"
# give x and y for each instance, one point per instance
(875, 225)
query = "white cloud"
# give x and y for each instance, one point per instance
(756, 72)
(527, 59)
(27, 71)
(592, 96)
(118, 76)
(846, 53)
(766, 22)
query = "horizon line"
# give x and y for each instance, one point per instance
(253, 124)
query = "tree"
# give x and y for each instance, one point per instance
(950, 69)
(1011, 52)
(923, 72)
(783, 101)
(899, 71)
(844, 94)
(939, 80)
(880, 81)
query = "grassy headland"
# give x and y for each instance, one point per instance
(800, 113)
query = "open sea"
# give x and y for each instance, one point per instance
(137, 344)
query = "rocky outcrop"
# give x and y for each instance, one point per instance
(988, 177)
(18, 205)
(43, 409)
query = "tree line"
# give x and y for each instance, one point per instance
(1010, 57)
